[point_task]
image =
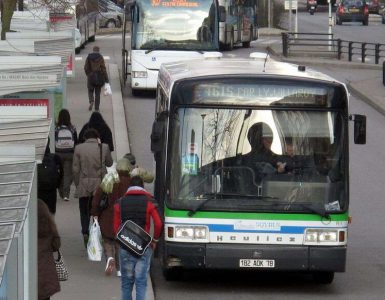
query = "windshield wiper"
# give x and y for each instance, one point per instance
(317, 210)
(200, 205)
(214, 196)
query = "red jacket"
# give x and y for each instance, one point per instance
(151, 212)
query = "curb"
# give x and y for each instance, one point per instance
(320, 62)
(355, 91)
(120, 125)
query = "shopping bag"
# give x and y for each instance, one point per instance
(94, 245)
(61, 269)
(107, 89)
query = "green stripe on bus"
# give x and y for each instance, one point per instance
(253, 216)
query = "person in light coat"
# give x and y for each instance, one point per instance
(89, 165)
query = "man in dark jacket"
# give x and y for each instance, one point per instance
(96, 72)
(136, 206)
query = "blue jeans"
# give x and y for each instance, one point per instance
(134, 270)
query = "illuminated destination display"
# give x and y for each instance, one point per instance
(174, 3)
(263, 93)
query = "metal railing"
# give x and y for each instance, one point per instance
(324, 43)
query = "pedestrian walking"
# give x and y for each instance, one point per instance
(66, 139)
(48, 243)
(49, 178)
(137, 206)
(89, 165)
(97, 122)
(115, 187)
(97, 76)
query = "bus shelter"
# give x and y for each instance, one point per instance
(22, 145)
(31, 87)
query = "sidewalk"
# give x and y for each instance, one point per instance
(364, 79)
(87, 280)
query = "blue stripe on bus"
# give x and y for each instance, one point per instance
(230, 228)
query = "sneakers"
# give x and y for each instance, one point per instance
(110, 266)
(118, 274)
(91, 105)
(66, 199)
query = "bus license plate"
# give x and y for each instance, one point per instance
(256, 263)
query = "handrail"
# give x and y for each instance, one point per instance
(327, 44)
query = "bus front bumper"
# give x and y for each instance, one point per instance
(229, 256)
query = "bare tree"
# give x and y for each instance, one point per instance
(7, 8)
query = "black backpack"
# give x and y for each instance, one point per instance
(48, 173)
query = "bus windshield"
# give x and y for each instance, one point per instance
(267, 160)
(175, 25)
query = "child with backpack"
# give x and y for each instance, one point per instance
(66, 138)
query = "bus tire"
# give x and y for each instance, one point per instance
(323, 277)
(91, 39)
(172, 274)
(246, 44)
(77, 50)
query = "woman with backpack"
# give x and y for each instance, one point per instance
(66, 138)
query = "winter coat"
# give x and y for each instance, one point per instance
(46, 187)
(106, 217)
(104, 133)
(86, 167)
(95, 63)
(48, 242)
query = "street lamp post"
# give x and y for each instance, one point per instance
(203, 127)
(330, 25)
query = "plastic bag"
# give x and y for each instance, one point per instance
(94, 245)
(108, 181)
(107, 89)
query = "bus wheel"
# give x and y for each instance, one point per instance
(77, 50)
(173, 274)
(91, 39)
(246, 44)
(323, 277)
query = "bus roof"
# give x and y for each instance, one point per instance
(214, 66)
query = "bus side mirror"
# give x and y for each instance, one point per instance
(222, 14)
(359, 128)
(157, 136)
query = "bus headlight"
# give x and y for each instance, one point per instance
(322, 236)
(191, 232)
(139, 74)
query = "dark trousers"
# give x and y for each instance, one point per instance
(91, 98)
(85, 209)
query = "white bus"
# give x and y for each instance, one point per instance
(165, 31)
(240, 24)
(86, 12)
(252, 167)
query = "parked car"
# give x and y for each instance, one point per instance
(382, 13)
(352, 11)
(374, 6)
(111, 15)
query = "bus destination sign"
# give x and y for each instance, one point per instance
(264, 94)
(174, 3)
